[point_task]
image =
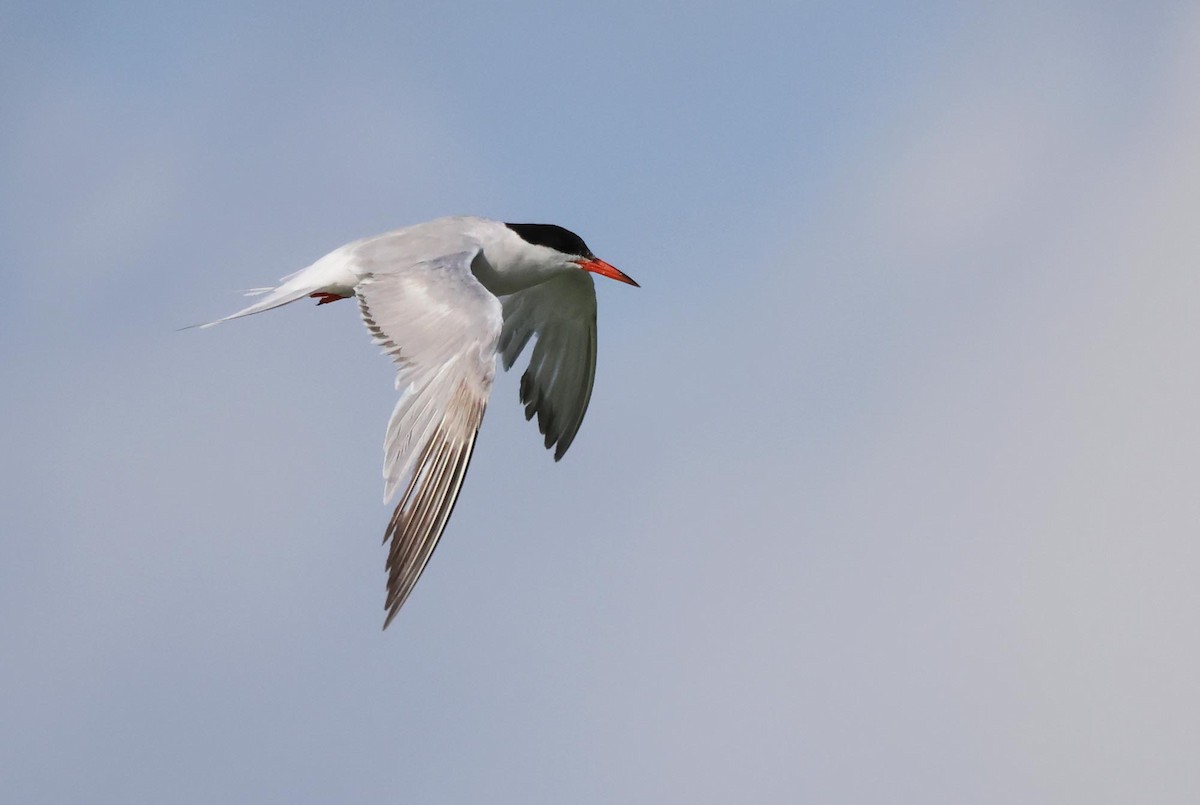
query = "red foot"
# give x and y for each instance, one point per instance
(326, 298)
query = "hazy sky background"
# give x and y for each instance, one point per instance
(888, 491)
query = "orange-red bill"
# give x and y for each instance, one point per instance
(598, 266)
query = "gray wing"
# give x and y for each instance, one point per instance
(441, 327)
(557, 386)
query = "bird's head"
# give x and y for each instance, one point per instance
(567, 248)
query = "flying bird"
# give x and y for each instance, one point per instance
(443, 299)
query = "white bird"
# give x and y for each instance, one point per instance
(443, 299)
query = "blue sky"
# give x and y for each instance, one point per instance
(888, 488)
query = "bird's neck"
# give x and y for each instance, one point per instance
(503, 270)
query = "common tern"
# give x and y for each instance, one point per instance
(444, 299)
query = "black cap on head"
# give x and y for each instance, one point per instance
(554, 237)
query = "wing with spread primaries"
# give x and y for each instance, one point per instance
(441, 327)
(557, 386)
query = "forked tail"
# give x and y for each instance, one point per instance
(330, 278)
